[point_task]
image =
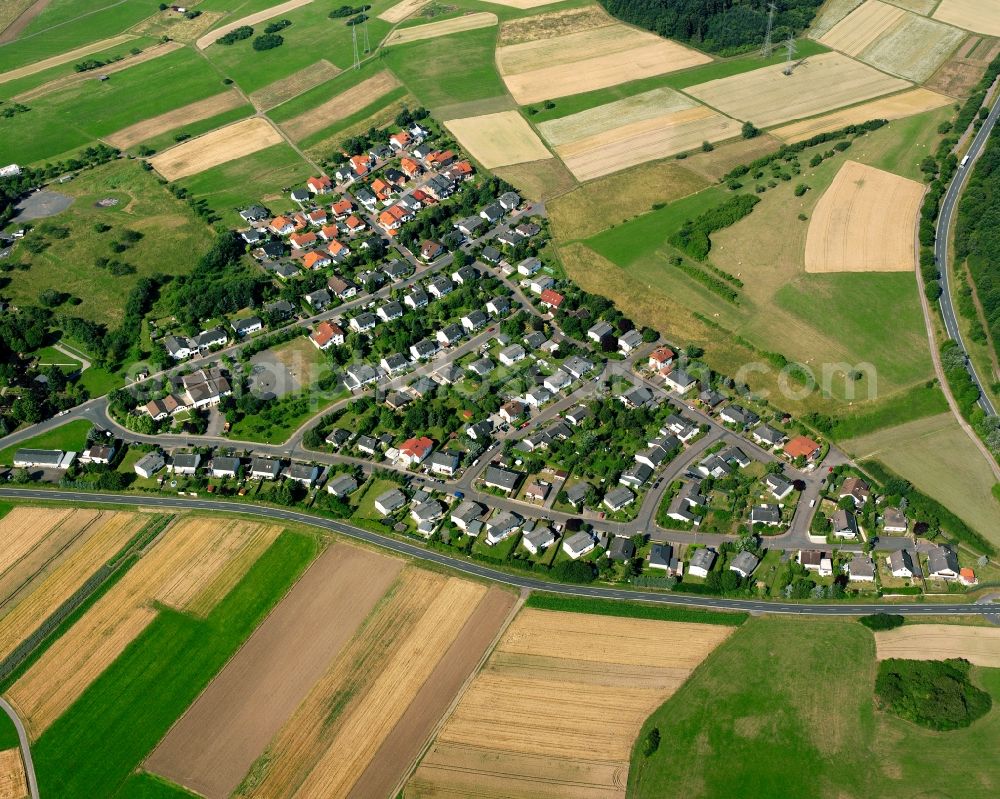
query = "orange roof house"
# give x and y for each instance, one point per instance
(410, 167)
(354, 224)
(439, 158)
(802, 447)
(660, 357)
(399, 140)
(462, 170)
(329, 232)
(342, 208)
(317, 217)
(360, 163)
(416, 449)
(967, 576)
(315, 260)
(551, 299)
(326, 335)
(302, 240)
(320, 185)
(381, 189)
(337, 250)
(281, 225)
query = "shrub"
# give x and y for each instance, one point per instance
(801, 189)
(236, 35)
(932, 693)
(882, 621)
(749, 130)
(268, 41)
(651, 742)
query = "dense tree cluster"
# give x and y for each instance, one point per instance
(725, 27)
(932, 693)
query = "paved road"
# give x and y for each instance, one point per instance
(22, 735)
(943, 243)
(475, 570)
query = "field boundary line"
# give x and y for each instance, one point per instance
(69, 22)
(449, 711)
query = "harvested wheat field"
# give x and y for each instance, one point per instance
(342, 106)
(190, 556)
(156, 51)
(645, 127)
(295, 84)
(588, 60)
(432, 30)
(522, 4)
(13, 784)
(862, 27)
(229, 143)
(980, 16)
(978, 645)
(498, 139)
(97, 536)
(553, 24)
(402, 10)
(523, 729)
(64, 58)
(864, 222)
(914, 48)
(373, 709)
(214, 744)
(829, 14)
(261, 16)
(899, 106)
(768, 97)
(194, 112)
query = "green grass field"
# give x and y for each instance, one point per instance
(8, 733)
(149, 786)
(784, 708)
(69, 24)
(70, 437)
(93, 748)
(936, 455)
(261, 177)
(173, 237)
(312, 35)
(632, 610)
(448, 70)
(82, 113)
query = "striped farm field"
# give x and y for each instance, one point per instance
(898, 106)
(768, 97)
(556, 709)
(218, 147)
(432, 30)
(914, 48)
(63, 58)
(341, 106)
(100, 534)
(195, 112)
(587, 60)
(402, 10)
(862, 26)
(978, 645)
(627, 132)
(252, 19)
(864, 222)
(190, 556)
(295, 84)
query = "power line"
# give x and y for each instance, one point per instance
(768, 47)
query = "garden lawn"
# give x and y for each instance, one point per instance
(173, 238)
(786, 706)
(69, 119)
(95, 745)
(70, 437)
(258, 178)
(366, 505)
(448, 70)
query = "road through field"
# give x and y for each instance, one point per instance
(485, 573)
(22, 736)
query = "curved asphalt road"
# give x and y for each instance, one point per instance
(474, 569)
(29, 765)
(941, 246)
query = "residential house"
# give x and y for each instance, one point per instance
(492, 213)
(366, 445)
(498, 306)
(414, 451)
(637, 397)
(512, 354)
(900, 564)
(538, 539)
(338, 437)
(600, 331)
(701, 562)
(491, 255)
(417, 298)
(618, 498)
(636, 475)
(469, 225)
(254, 214)
(540, 283)
(894, 521)
(660, 358)
(813, 560)
(680, 381)
(621, 550)
(430, 250)
(558, 381)
(510, 411)
(359, 375)
(501, 479)
(394, 364)
(426, 513)
(551, 299)
(465, 274)
(318, 300)
(390, 501)
(857, 489)
(264, 468)
(179, 348)
(537, 396)
(661, 556)
(768, 515)
(244, 327)
(450, 335)
(303, 473)
(844, 524)
(224, 467)
(363, 322)
(480, 431)
(342, 486)
(768, 436)
(425, 348)
(326, 335)
(445, 463)
(149, 464)
(529, 267)
(474, 320)
(861, 569)
(778, 486)
(509, 200)
(186, 463)
(802, 447)
(578, 545)
(537, 491)
(206, 339)
(629, 341)
(390, 312)
(466, 513)
(502, 526)
(440, 287)
(942, 564)
(744, 564)
(578, 415)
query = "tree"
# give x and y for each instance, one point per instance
(651, 742)
(749, 130)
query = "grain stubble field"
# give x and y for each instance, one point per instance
(521, 728)
(195, 112)
(978, 645)
(13, 784)
(342, 106)
(864, 222)
(221, 146)
(499, 139)
(432, 30)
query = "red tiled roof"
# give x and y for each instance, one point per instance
(800, 446)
